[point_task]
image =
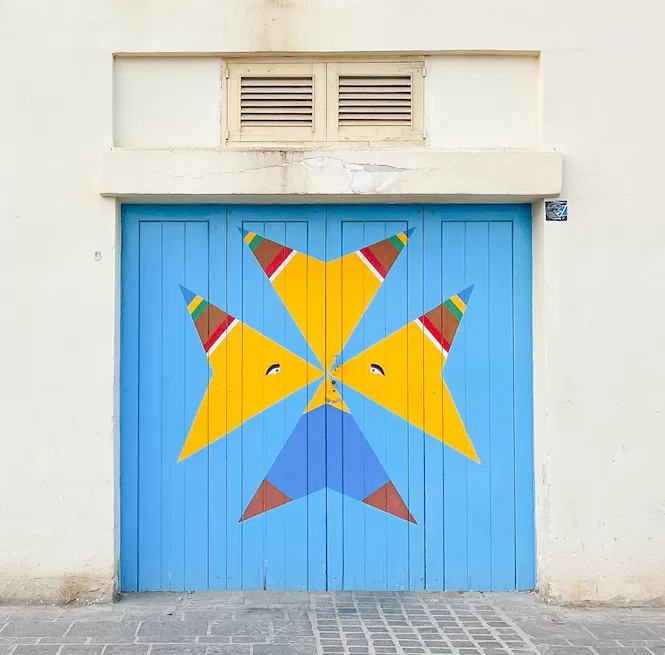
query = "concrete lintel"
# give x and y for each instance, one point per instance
(395, 174)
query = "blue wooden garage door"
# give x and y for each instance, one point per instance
(326, 397)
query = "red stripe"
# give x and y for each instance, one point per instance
(369, 256)
(278, 261)
(435, 333)
(218, 332)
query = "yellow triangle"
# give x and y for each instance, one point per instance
(327, 393)
(403, 374)
(250, 374)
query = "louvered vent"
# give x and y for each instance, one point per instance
(381, 100)
(276, 101)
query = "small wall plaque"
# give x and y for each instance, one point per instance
(556, 210)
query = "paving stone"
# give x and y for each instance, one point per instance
(34, 629)
(164, 639)
(240, 628)
(173, 628)
(127, 649)
(293, 629)
(178, 649)
(550, 641)
(540, 630)
(608, 650)
(273, 649)
(614, 631)
(81, 650)
(232, 649)
(564, 650)
(55, 641)
(215, 614)
(109, 630)
(268, 598)
(36, 650)
(258, 614)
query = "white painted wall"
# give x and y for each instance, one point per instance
(167, 102)
(598, 278)
(482, 101)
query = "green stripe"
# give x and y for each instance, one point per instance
(397, 243)
(199, 310)
(454, 309)
(255, 242)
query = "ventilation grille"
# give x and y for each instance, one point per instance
(276, 101)
(384, 100)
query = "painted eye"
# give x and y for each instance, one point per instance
(376, 369)
(273, 369)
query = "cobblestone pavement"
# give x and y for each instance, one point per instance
(294, 623)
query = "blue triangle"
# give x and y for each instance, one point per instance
(327, 449)
(300, 467)
(187, 294)
(409, 232)
(466, 294)
(243, 232)
(353, 468)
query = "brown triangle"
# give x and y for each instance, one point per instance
(387, 498)
(267, 497)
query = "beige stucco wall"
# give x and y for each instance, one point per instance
(593, 95)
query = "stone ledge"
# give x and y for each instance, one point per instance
(315, 175)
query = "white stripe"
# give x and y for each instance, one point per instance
(371, 268)
(430, 336)
(223, 336)
(282, 266)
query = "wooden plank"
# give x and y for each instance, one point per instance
(236, 496)
(150, 410)
(456, 536)
(129, 402)
(276, 428)
(373, 419)
(523, 389)
(317, 503)
(176, 322)
(502, 438)
(434, 515)
(477, 330)
(416, 437)
(392, 299)
(217, 457)
(197, 374)
(254, 460)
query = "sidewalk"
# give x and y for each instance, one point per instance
(299, 623)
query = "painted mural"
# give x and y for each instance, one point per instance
(327, 449)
